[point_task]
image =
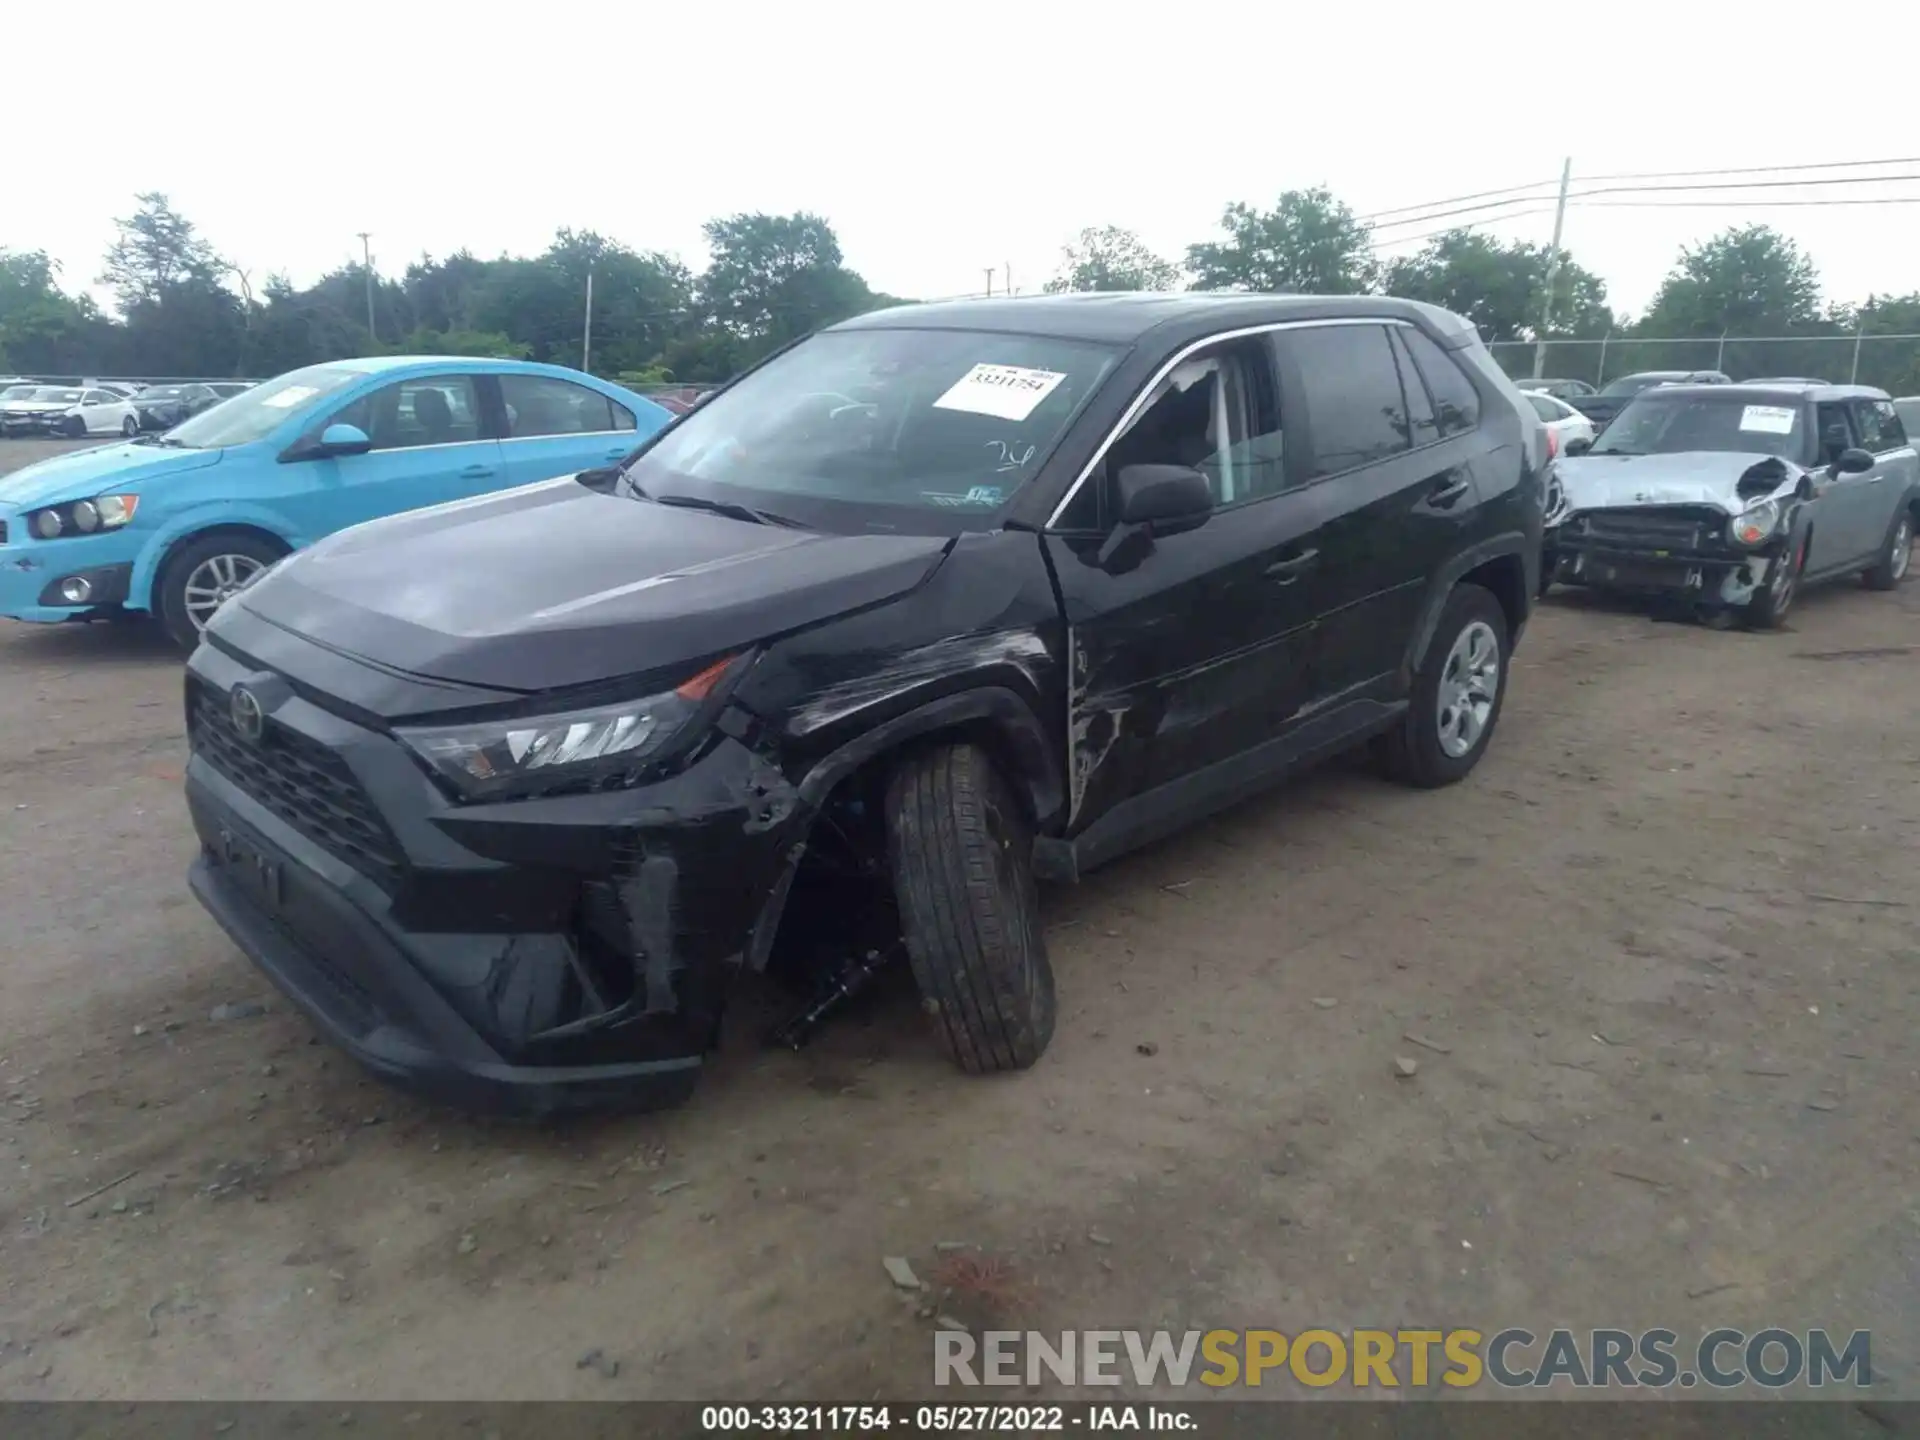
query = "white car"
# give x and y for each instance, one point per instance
(68, 410)
(1563, 422)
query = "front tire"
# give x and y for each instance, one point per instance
(75, 429)
(961, 853)
(130, 427)
(1457, 694)
(201, 575)
(1769, 606)
(1896, 554)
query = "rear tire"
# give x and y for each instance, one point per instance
(961, 854)
(1896, 554)
(1443, 735)
(182, 591)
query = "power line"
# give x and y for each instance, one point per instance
(1761, 169)
(1465, 225)
(1477, 195)
(1515, 191)
(1753, 204)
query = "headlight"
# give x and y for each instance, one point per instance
(596, 749)
(1556, 503)
(83, 517)
(1754, 524)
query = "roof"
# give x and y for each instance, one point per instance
(1757, 391)
(1123, 317)
(377, 364)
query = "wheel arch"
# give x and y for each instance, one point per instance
(997, 719)
(151, 571)
(1498, 564)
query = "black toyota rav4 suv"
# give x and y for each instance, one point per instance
(505, 793)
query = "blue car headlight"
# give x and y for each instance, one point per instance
(83, 517)
(599, 748)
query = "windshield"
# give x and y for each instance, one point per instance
(18, 392)
(1634, 384)
(920, 431)
(260, 409)
(162, 392)
(46, 395)
(1667, 424)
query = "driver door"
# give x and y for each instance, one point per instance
(1189, 653)
(1841, 518)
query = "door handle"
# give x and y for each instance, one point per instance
(476, 472)
(1443, 495)
(1289, 570)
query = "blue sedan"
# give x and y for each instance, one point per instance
(173, 524)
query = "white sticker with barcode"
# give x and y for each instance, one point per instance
(1768, 419)
(1009, 392)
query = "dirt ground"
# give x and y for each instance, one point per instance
(1660, 954)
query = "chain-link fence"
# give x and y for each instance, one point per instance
(1890, 361)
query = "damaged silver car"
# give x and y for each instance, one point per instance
(1729, 498)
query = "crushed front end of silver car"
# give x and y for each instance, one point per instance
(1718, 530)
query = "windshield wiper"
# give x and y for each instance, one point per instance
(730, 508)
(1617, 450)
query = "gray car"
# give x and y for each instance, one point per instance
(1730, 497)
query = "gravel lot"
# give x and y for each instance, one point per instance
(1660, 952)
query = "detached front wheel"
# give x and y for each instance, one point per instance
(961, 852)
(1771, 602)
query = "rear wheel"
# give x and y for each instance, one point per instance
(1457, 694)
(1896, 555)
(961, 853)
(201, 575)
(1770, 603)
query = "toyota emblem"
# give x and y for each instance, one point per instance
(248, 718)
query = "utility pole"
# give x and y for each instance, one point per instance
(586, 333)
(987, 270)
(1009, 277)
(366, 257)
(1553, 271)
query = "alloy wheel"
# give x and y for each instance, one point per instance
(215, 579)
(1469, 684)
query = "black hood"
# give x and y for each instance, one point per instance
(557, 585)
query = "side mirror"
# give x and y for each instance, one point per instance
(1853, 461)
(1579, 445)
(342, 439)
(1164, 498)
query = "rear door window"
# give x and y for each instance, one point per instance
(542, 405)
(1455, 402)
(1356, 408)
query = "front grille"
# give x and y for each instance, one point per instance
(1665, 527)
(299, 780)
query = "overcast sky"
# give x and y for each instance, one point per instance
(939, 139)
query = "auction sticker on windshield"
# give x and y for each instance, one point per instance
(1008, 392)
(1768, 419)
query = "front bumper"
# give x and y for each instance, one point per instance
(31, 571)
(1702, 569)
(31, 424)
(532, 957)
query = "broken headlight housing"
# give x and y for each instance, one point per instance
(1556, 506)
(1755, 524)
(602, 747)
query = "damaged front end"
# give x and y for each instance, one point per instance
(1617, 525)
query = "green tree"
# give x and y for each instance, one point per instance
(1749, 280)
(41, 327)
(773, 278)
(1107, 257)
(1309, 243)
(155, 251)
(1501, 287)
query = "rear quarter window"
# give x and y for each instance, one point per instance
(1456, 404)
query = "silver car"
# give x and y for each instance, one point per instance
(1731, 497)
